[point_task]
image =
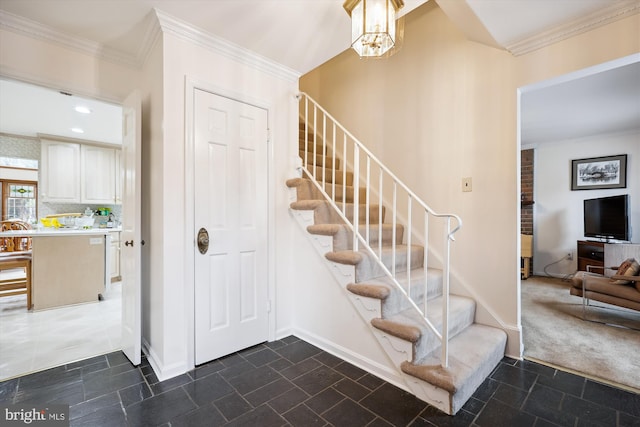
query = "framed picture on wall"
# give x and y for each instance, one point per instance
(599, 173)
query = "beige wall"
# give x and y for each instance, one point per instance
(444, 108)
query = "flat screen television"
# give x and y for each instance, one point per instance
(607, 217)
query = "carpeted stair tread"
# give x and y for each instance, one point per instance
(294, 182)
(409, 323)
(345, 257)
(380, 292)
(401, 330)
(472, 356)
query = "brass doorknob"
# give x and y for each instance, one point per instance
(203, 241)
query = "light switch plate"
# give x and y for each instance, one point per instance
(466, 184)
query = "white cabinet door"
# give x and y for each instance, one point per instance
(98, 182)
(115, 256)
(118, 176)
(60, 172)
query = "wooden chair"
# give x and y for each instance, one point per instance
(15, 254)
(15, 244)
(20, 285)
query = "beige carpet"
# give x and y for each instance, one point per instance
(554, 332)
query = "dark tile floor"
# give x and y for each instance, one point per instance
(292, 383)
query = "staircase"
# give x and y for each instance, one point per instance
(429, 334)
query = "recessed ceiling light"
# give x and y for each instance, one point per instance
(82, 109)
(77, 130)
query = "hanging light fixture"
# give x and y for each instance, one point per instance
(373, 25)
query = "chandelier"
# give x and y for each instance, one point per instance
(373, 25)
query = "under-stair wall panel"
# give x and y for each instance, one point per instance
(325, 317)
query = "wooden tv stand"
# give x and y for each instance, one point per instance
(591, 254)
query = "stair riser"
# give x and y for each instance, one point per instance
(345, 195)
(368, 268)
(310, 134)
(320, 160)
(308, 191)
(374, 213)
(324, 214)
(343, 239)
(308, 146)
(396, 302)
(459, 320)
(339, 192)
(341, 176)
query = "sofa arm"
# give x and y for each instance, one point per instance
(628, 278)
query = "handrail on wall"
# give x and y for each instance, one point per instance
(355, 153)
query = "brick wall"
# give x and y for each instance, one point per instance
(526, 184)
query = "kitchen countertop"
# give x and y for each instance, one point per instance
(49, 232)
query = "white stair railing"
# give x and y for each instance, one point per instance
(338, 144)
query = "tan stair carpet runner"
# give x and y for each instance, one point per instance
(474, 350)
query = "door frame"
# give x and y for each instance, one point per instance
(191, 84)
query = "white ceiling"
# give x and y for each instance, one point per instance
(302, 34)
(28, 110)
(595, 104)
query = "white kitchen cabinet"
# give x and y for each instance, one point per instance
(115, 256)
(60, 172)
(80, 173)
(98, 168)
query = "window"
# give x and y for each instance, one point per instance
(20, 200)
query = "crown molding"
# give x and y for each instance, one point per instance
(187, 32)
(618, 10)
(158, 22)
(20, 25)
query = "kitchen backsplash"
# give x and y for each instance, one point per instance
(45, 209)
(20, 147)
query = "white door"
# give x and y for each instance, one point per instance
(230, 171)
(131, 338)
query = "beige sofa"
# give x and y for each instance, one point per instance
(601, 288)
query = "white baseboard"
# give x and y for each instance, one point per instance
(285, 332)
(162, 372)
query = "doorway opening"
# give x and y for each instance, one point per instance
(33, 340)
(589, 113)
